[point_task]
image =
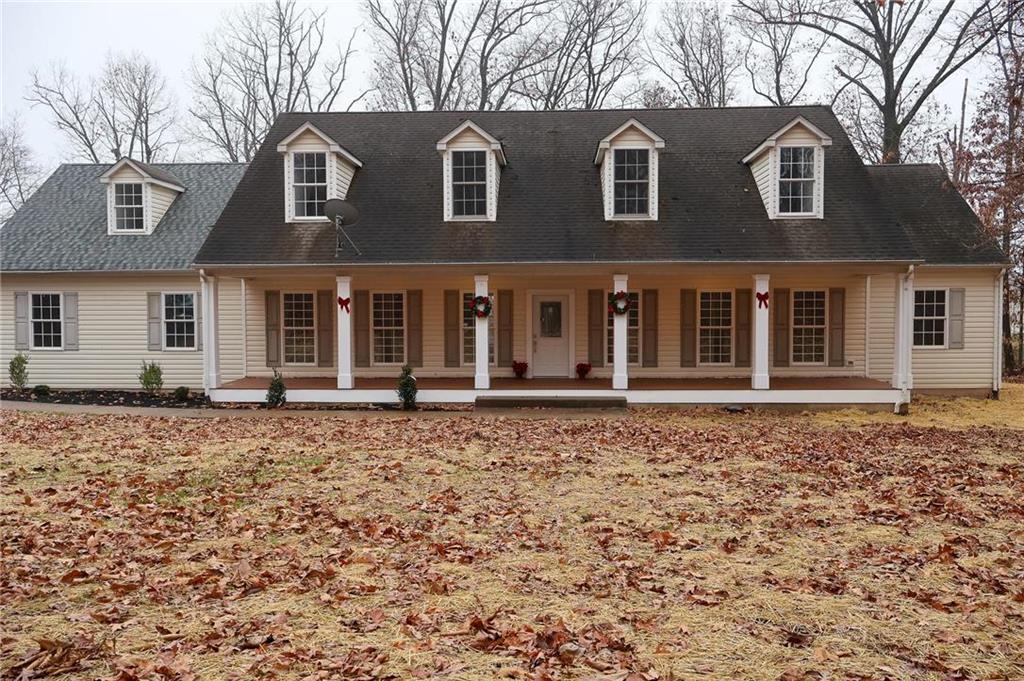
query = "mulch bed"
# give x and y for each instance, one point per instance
(112, 398)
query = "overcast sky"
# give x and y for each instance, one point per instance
(80, 33)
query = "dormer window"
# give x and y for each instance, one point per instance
(138, 196)
(796, 180)
(471, 160)
(309, 183)
(469, 183)
(632, 182)
(628, 158)
(129, 213)
(788, 168)
(316, 168)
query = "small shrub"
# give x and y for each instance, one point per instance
(582, 369)
(407, 388)
(17, 371)
(181, 393)
(151, 378)
(41, 390)
(519, 369)
(277, 393)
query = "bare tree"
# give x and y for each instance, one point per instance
(126, 111)
(887, 45)
(592, 49)
(434, 54)
(264, 60)
(19, 172)
(695, 49)
(779, 58)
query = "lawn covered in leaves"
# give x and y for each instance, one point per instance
(652, 545)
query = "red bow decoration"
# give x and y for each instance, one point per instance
(343, 304)
(762, 299)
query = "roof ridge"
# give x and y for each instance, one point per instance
(561, 111)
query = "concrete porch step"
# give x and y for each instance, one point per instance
(560, 401)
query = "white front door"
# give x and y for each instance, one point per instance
(551, 335)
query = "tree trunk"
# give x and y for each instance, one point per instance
(892, 136)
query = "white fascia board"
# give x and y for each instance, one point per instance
(606, 143)
(772, 139)
(492, 141)
(332, 145)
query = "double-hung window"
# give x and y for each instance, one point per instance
(129, 214)
(930, 314)
(299, 327)
(716, 327)
(469, 183)
(469, 330)
(632, 182)
(47, 321)
(389, 328)
(179, 321)
(309, 183)
(796, 180)
(632, 331)
(809, 327)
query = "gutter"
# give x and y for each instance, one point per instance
(515, 263)
(997, 341)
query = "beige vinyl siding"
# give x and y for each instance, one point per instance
(798, 134)
(882, 327)
(970, 367)
(126, 174)
(343, 174)
(160, 199)
(762, 171)
(469, 139)
(434, 285)
(112, 332)
(230, 328)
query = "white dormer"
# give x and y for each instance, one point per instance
(789, 169)
(138, 195)
(628, 158)
(316, 168)
(472, 160)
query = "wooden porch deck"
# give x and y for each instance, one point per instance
(466, 383)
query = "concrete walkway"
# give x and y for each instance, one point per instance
(344, 414)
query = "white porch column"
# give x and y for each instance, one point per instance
(482, 379)
(902, 374)
(759, 377)
(620, 365)
(345, 380)
(211, 332)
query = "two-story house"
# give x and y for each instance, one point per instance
(738, 255)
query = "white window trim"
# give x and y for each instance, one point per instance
(652, 184)
(732, 327)
(405, 328)
(289, 182)
(489, 185)
(945, 318)
(147, 212)
(316, 349)
(164, 320)
(792, 326)
(492, 331)
(819, 181)
(31, 322)
(610, 328)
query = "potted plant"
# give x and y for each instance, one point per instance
(519, 369)
(582, 370)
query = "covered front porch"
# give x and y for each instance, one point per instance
(699, 334)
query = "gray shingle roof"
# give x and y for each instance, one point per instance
(63, 226)
(158, 173)
(940, 224)
(549, 206)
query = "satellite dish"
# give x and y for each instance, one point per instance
(341, 212)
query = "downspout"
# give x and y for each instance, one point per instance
(867, 326)
(997, 342)
(906, 330)
(204, 287)
(245, 327)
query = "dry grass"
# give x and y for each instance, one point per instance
(678, 544)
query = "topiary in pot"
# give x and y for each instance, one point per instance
(519, 369)
(582, 370)
(407, 388)
(277, 393)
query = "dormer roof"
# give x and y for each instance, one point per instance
(494, 142)
(149, 172)
(282, 146)
(606, 143)
(772, 139)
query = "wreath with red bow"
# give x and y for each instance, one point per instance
(618, 302)
(481, 306)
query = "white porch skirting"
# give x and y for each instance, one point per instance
(664, 397)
